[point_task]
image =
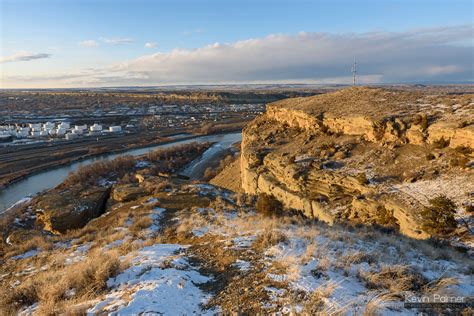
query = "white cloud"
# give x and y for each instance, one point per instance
(23, 56)
(89, 43)
(426, 54)
(150, 44)
(118, 41)
(413, 56)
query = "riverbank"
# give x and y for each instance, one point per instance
(9, 179)
(52, 177)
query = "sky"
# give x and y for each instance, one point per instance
(101, 43)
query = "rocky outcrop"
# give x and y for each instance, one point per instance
(299, 153)
(60, 211)
(127, 192)
(452, 132)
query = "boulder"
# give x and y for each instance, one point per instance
(60, 211)
(127, 192)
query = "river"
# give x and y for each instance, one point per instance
(52, 177)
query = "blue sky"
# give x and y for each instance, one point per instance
(86, 43)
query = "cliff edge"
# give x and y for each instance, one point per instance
(363, 154)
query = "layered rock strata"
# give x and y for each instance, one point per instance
(341, 155)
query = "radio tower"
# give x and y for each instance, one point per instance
(354, 72)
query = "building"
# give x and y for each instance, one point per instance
(115, 129)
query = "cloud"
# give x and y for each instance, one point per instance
(89, 43)
(117, 41)
(150, 44)
(23, 56)
(417, 55)
(422, 55)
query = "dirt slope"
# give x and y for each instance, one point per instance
(229, 178)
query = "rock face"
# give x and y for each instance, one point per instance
(127, 192)
(60, 211)
(338, 156)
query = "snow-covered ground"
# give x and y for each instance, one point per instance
(292, 265)
(159, 281)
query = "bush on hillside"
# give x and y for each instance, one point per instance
(438, 218)
(267, 204)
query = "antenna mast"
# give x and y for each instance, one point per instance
(354, 72)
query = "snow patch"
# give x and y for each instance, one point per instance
(160, 281)
(28, 254)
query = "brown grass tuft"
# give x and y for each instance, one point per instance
(53, 289)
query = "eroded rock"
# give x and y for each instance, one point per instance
(63, 210)
(127, 192)
(320, 154)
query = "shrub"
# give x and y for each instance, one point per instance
(422, 120)
(464, 124)
(267, 204)
(396, 278)
(362, 178)
(438, 218)
(458, 162)
(141, 224)
(385, 217)
(464, 150)
(469, 208)
(169, 160)
(441, 143)
(102, 169)
(430, 156)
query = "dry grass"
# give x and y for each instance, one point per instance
(40, 242)
(56, 288)
(396, 278)
(141, 224)
(379, 302)
(268, 238)
(316, 303)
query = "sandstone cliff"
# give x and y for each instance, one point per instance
(341, 156)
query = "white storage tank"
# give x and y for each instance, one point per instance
(23, 133)
(115, 129)
(70, 136)
(48, 125)
(80, 127)
(65, 125)
(96, 128)
(36, 126)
